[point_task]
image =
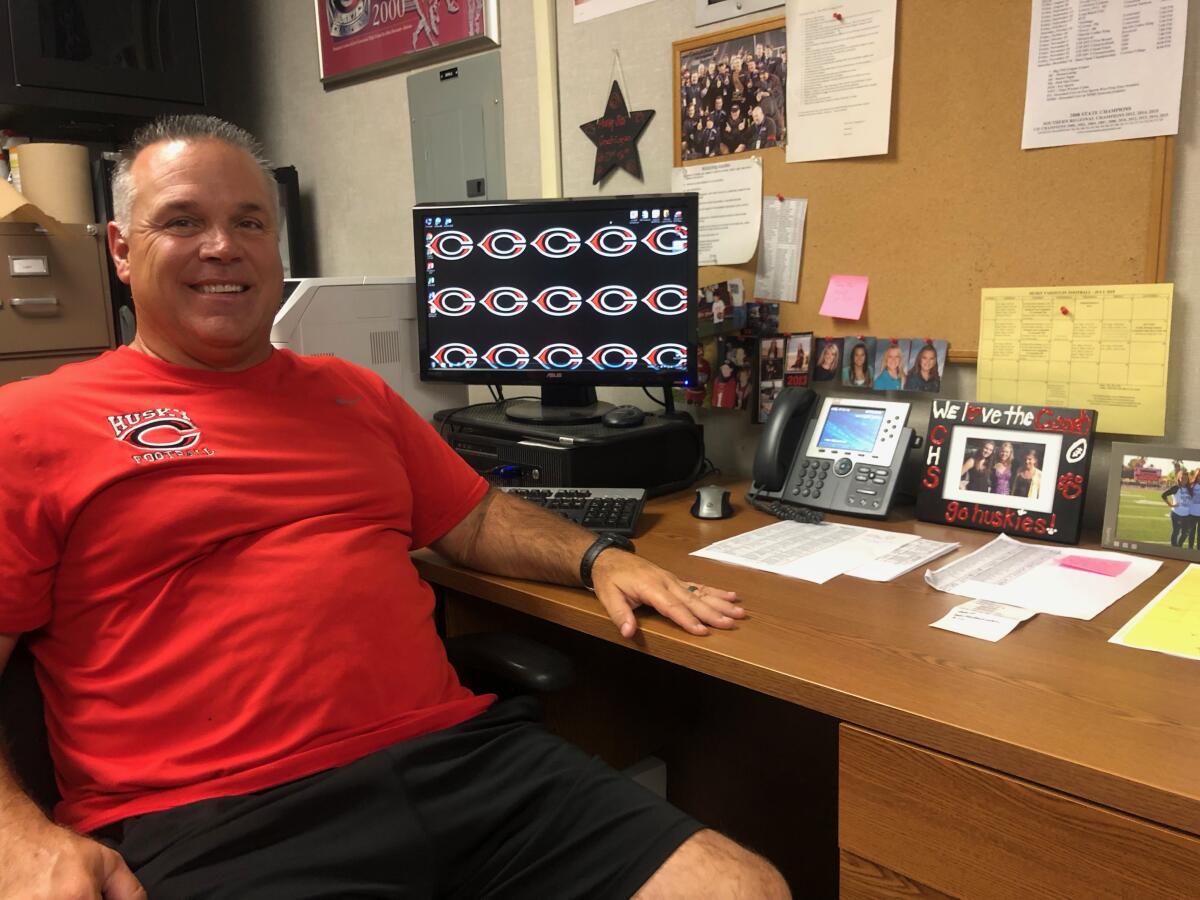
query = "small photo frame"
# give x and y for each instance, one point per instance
(731, 87)
(798, 359)
(1007, 469)
(1152, 504)
(357, 38)
(827, 359)
(926, 363)
(858, 365)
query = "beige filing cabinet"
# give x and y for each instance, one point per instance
(54, 299)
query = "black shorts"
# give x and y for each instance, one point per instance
(493, 807)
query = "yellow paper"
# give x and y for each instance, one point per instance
(1102, 347)
(1170, 623)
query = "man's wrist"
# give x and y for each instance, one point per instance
(604, 541)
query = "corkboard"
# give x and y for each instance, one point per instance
(957, 205)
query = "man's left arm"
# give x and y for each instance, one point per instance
(505, 535)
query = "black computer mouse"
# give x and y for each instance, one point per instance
(712, 502)
(623, 417)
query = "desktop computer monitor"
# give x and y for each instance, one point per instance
(564, 295)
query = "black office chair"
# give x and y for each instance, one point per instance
(496, 663)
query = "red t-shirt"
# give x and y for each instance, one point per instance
(215, 568)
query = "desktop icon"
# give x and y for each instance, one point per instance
(633, 215)
(431, 281)
(428, 220)
(645, 214)
(437, 221)
(429, 266)
(449, 221)
(656, 214)
(679, 215)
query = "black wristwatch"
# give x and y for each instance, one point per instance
(603, 542)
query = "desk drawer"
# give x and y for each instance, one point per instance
(966, 831)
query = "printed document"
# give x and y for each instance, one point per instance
(1102, 70)
(839, 89)
(983, 619)
(812, 552)
(1029, 576)
(904, 558)
(1102, 347)
(780, 249)
(1170, 623)
(730, 208)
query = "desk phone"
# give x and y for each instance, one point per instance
(841, 454)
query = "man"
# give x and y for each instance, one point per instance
(762, 130)
(738, 132)
(208, 541)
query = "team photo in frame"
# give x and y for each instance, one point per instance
(1007, 468)
(730, 89)
(1152, 503)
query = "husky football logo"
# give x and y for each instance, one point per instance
(158, 434)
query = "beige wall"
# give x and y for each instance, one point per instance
(351, 146)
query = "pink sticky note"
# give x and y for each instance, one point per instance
(1094, 564)
(845, 296)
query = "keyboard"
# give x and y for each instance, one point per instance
(600, 509)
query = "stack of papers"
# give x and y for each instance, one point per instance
(818, 553)
(1010, 581)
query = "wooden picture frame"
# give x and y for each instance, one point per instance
(1140, 505)
(356, 38)
(1007, 469)
(729, 48)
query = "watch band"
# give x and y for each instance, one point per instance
(602, 543)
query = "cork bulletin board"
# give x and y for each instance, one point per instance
(956, 205)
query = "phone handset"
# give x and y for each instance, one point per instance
(781, 438)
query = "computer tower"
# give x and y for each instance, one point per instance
(661, 455)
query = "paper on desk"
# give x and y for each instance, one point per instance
(1107, 351)
(839, 93)
(1102, 71)
(903, 559)
(983, 619)
(780, 248)
(814, 553)
(845, 296)
(1170, 623)
(1018, 574)
(730, 208)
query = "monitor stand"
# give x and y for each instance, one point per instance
(560, 405)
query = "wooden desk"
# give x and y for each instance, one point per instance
(1049, 763)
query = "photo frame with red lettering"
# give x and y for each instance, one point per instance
(1007, 468)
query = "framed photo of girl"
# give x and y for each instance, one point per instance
(1007, 469)
(1152, 504)
(730, 88)
(358, 37)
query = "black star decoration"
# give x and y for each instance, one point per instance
(615, 135)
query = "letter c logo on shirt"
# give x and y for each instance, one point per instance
(163, 434)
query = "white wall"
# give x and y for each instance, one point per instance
(352, 146)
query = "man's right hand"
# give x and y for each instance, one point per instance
(46, 861)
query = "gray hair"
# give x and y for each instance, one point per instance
(189, 129)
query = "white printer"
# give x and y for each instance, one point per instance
(370, 320)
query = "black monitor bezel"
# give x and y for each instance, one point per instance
(690, 202)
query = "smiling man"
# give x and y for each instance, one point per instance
(207, 550)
